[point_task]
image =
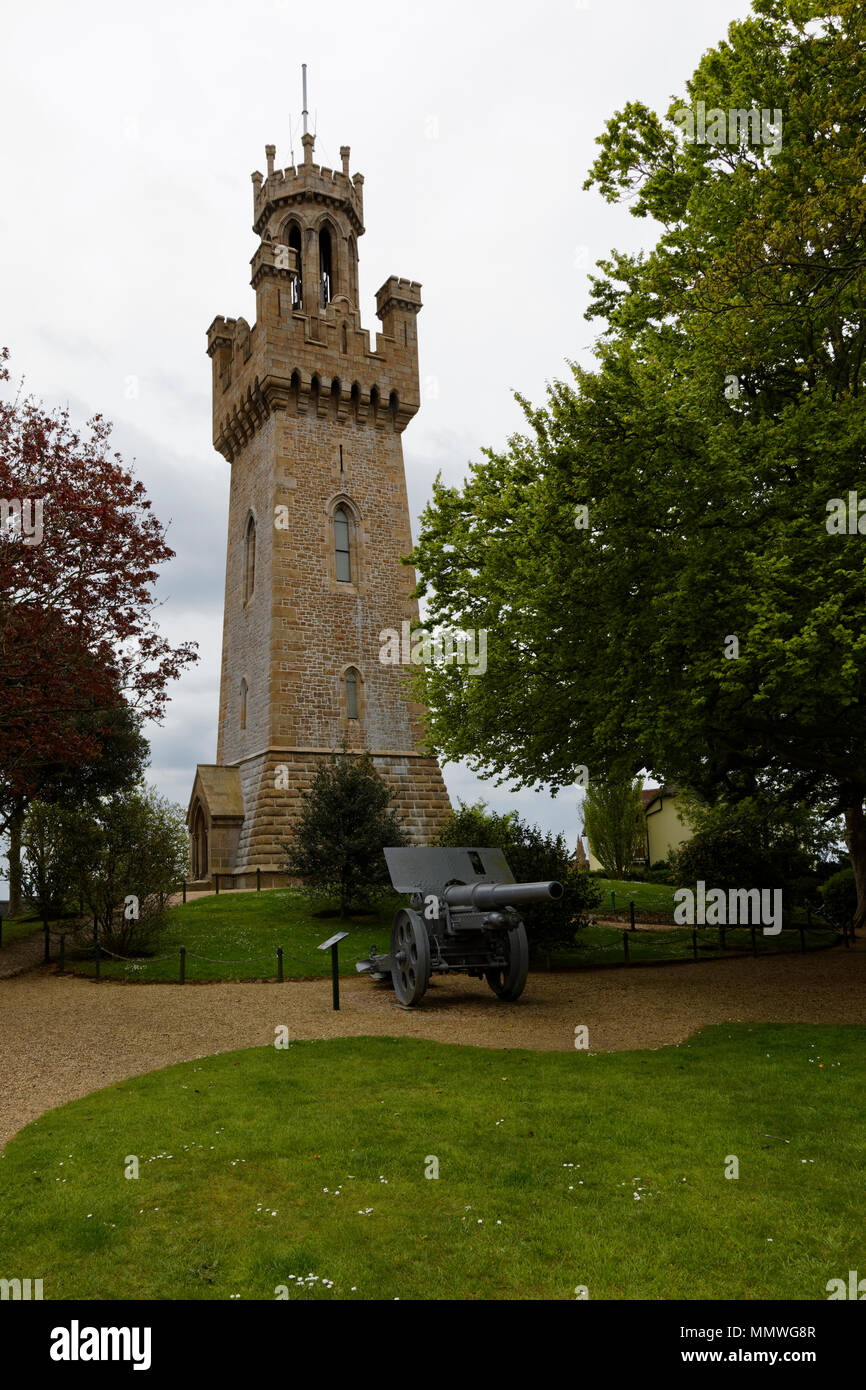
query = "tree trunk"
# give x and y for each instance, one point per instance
(855, 831)
(14, 857)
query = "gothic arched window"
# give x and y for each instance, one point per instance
(297, 282)
(353, 270)
(244, 689)
(351, 679)
(249, 560)
(342, 546)
(326, 267)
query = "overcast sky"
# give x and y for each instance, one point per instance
(129, 133)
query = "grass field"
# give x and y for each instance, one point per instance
(16, 927)
(235, 936)
(305, 1169)
(647, 897)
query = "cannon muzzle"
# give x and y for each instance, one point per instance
(484, 897)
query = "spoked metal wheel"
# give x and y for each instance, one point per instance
(410, 957)
(508, 983)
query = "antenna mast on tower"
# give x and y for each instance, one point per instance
(304, 113)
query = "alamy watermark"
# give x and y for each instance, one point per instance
(846, 518)
(423, 648)
(856, 1287)
(735, 127)
(741, 907)
(21, 1290)
(22, 518)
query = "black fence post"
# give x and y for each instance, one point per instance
(47, 930)
(335, 974)
(184, 890)
(722, 936)
(216, 878)
(845, 936)
(695, 942)
(182, 964)
(802, 937)
(625, 945)
(62, 965)
(279, 965)
(258, 880)
(631, 915)
(98, 954)
(754, 942)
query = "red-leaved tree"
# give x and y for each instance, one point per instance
(79, 551)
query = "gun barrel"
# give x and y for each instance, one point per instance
(486, 896)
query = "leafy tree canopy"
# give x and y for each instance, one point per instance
(653, 558)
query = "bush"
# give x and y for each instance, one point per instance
(840, 898)
(723, 859)
(754, 843)
(131, 855)
(346, 821)
(805, 889)
(659, 873)
(532, 855)
(120, 859)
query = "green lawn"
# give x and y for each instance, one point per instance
(16, 927)
(603, 945)
(264, 1168)
(647, 897)
(236, 935)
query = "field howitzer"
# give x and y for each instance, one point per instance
(462, 919)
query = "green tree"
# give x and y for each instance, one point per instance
(653, 559)
(534, 856)
(48, 867)
(615, 824)
(761, 841)
(128, 855)
(346, 820)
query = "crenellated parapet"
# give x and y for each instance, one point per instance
(308, 352)
(307, 183)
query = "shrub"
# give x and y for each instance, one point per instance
(533, 855)
(840, 897)
(723, 859)
(120, 858)
(805, 889)
(130, 854)
(346, 821)
(758, 842)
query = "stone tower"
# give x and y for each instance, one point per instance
(309, 414)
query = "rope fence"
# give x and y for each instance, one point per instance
(719, 938)
(640, 943)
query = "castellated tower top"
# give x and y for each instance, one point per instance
(307, 352)
(309, 184)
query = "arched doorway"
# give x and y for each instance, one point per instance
(198, 844)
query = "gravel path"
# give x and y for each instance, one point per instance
(61, 1037)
